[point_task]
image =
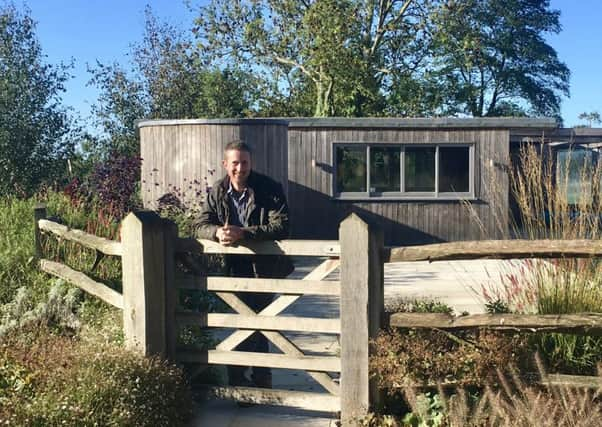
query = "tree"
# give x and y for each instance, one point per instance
(493, 59)
(345, 52)
(166, 79)
(34, 127)
(591, 118)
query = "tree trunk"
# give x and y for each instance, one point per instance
(324, 102)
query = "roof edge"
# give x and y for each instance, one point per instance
(178, 122)
(370, 122)
(425, 123)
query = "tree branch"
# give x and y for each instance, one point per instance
(287, 61)
(384, 10)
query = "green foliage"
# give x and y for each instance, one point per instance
(17, 265)
(591, 118)
(59, 363)
(497, 307)
(417, 306)
(341, 53)
(540, 187)
(58, 381)
(424, 357)
(56, 313)
(34, 127)
(494, 59)
(166, 79)
(428, 411)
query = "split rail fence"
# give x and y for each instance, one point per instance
(578, 324)
(149, 248)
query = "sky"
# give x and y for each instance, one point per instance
(102, 30)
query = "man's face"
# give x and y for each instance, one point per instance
(238, 166)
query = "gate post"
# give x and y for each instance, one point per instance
(145, 273)
(362, 307)
(39, 212)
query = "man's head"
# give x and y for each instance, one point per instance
(237, 162)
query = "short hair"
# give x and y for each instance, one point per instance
(238, 145)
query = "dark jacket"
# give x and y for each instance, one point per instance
(266, 218)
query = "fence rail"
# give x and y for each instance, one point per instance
(244, 284)
(148, 249)
(106, 246)
(281, 247)
(82, 281)
(496, 249)
(578, 324)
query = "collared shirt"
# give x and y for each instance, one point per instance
(238, 205)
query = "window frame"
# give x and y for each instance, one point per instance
(403, 194)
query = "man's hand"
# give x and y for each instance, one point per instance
(229, 234)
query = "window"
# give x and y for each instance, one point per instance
(399, 171)
(575, 169)
(384, 169)
(351, 169)
(419, 169)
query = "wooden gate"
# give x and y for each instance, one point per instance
(149, 248)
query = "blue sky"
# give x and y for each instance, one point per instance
(103, 30)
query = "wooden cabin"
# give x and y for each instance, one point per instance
(420, 180)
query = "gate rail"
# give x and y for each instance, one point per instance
(148, 249)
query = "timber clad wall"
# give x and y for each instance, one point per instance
(316, 215)
(299, 154)
(176, 153)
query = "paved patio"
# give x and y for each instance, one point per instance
(457, 283)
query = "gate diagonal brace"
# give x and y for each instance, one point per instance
(279, 340)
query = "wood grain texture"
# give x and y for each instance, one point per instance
(583, 324)
(266, 360)
(79, 279)
(144, 287)
(272, 247)
(497, 249)
(243, 284)
(281, 303)
(362, 305)
(106, 246)
(279, 340)
(298, 399)
(186, 155)
(260, 322)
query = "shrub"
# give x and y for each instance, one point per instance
(57, 312)
(73, 383)
(428, 357)
(17, 264)
(555, 200)
(113, 184)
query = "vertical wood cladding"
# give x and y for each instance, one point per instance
(181, 158)
(316, 214)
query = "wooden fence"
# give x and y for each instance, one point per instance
(579, 324)
(149, 247)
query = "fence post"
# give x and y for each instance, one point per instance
(39, 212)
(143, 239)
(362, 307)
(171, 293)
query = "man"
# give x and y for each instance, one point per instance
(246, 205)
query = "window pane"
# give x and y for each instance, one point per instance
(454, 169)
(419, 169)
(384, 169)
(351, 169)
(574, 171)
